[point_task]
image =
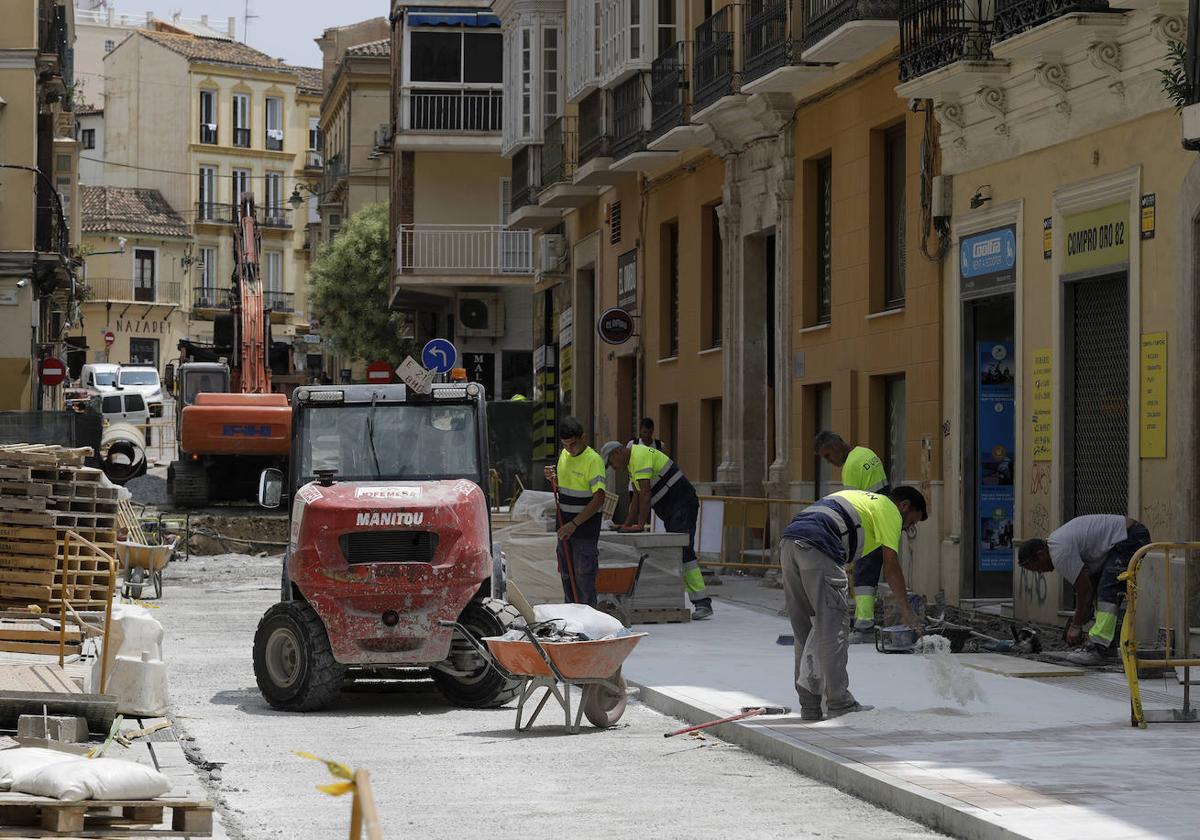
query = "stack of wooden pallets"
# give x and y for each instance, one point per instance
(45, 491)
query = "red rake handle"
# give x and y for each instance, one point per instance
(730, 719)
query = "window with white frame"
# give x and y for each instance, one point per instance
(241, 185)
(241, 120)
(666, 25)
(314, 134)
(273, 116)
(535, 79)
(274, 204)
(207, 282)
(273, 273)
(526, 81)
(208, 116)
(551, 73)
(208, 193)
(144, 271)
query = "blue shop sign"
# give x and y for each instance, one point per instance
(987, 261)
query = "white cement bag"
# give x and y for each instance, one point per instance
(137, 675)
(23, 760)
(579, 618)
(98, 778)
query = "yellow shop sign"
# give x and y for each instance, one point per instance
(1096, 239)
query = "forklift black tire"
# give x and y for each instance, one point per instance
(293, 662)
(485, 688)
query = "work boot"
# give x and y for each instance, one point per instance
(703, 610)
(1088, 655)
(846, 710)
(862, 636)
(811, 713)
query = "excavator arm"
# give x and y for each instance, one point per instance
(252, 369)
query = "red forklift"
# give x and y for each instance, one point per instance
(390, 535)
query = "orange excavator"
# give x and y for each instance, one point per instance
(231, 427)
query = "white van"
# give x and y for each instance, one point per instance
(99, 377)
(142, 380)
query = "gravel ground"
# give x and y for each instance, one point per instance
(440, 772)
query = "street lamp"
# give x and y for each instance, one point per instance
(296, 199)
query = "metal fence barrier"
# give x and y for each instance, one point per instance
(746, 513)
(1129, 643)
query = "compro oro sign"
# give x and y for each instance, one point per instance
(1096, 239)
(615, 326)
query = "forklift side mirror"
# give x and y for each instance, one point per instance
(270, 488)
(169, 378)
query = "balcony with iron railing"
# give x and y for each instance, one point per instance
(55, 54)
(208, 134)
(525, 181)
(596, 140)
(277, 301)
(772, 48)
(212, 299)
(336, 170)
(126, 290)
(1014, 17)
(313, 162)
(669, 101)
(629, 118)
(936, 34)
(838, 31)
(458, 251)
(714, 72)
(560, 159)
(443, 111)
(241, 137)
(216, 213)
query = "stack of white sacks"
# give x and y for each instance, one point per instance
(72, 778)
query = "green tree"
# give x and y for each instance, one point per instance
(351, 284)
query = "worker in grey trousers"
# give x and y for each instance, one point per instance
(816, 547)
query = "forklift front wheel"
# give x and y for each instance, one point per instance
(293, 662)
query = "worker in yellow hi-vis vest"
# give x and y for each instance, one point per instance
(663, 487)
(861, 469)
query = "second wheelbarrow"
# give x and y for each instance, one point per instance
(557, 667)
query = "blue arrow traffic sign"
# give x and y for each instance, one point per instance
(439, 355)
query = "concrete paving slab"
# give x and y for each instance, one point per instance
(1030, 759)
(1012, 666)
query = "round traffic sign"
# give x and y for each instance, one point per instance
(439, 355)
(52, 371)
(615, 326)
(109, 338)
(379, 373)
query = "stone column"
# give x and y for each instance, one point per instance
(729, 472)
(780, 472)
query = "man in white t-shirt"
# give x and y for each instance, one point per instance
(1089, 552)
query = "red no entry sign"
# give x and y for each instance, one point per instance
(109, 338)
(379, 373)
(52, 371)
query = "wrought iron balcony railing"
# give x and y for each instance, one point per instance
(279, 301)
(937, 33)
(335, 171)
(629, 117)
(456, 110)
(208, 134)
(560, 151)
(1016, 16)
(214, 212)
(714, 71)
(669, 90)
(525, 183)
(768, 39)
(824, 17)
(212, 297)
(595, 138)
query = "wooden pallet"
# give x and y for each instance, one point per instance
(37, 678)
(41, 455)
(22, 815)
(661, 615)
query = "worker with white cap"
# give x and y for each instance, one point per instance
(662, 487)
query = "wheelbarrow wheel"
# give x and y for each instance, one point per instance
(135, 578)
(601, 705)
(157, 579)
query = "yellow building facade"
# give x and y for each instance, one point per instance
(39, 218)
(204, 121)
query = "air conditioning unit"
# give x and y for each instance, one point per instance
(553, 252)
(479, 314)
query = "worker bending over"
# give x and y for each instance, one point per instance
(1091, 552)
(816, 547)
(861, 469)
(580, 476)
(662, 487)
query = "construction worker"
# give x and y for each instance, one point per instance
(816, 547)
(646, 436)
(662, 486)
(861, 469)
(580, 487)
(1090, 552)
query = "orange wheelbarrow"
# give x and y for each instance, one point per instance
(557, 667)
(614, 590)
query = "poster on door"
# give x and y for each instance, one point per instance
(996, 372)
